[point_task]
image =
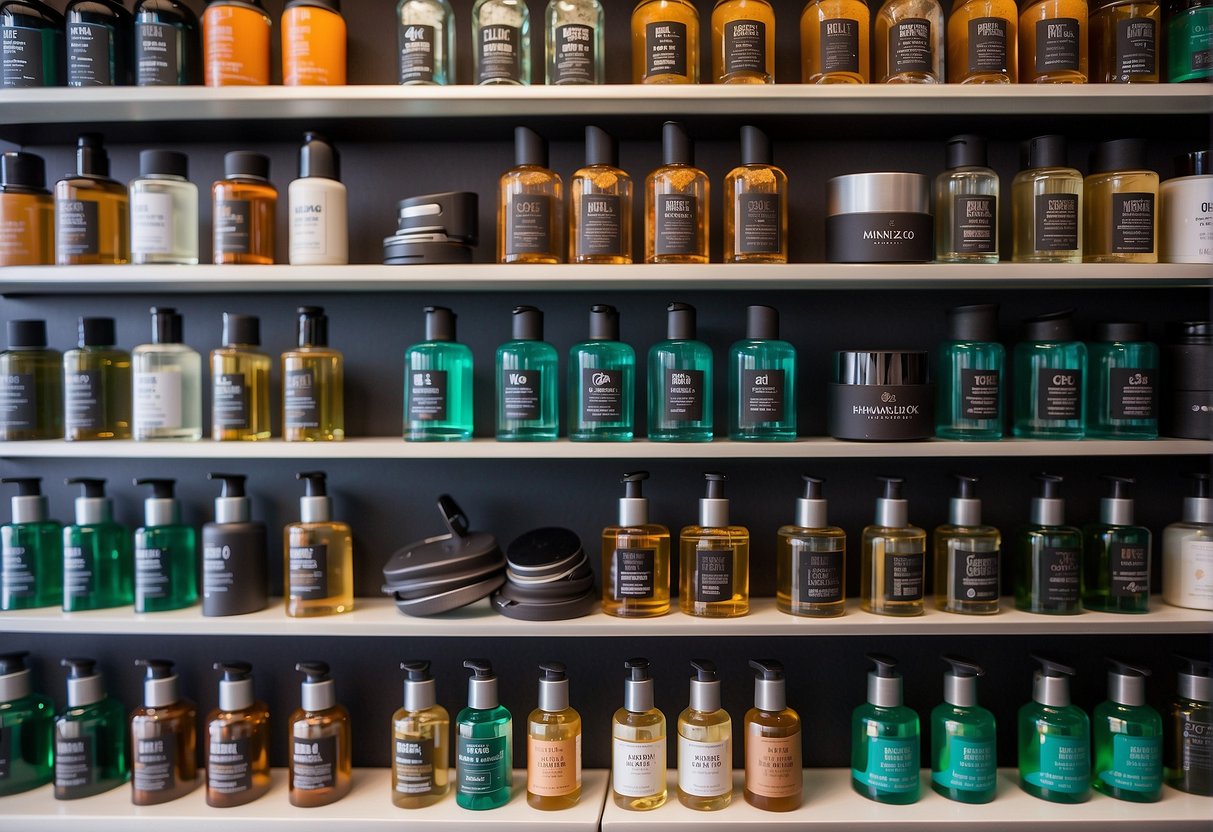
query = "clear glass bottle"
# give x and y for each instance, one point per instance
(31, 550)
(27, 209)
(983, 42)
(1188, 25)
(964, 742)
(885, 742)
(1124, 42)
(638, 740)
(237, 741)
(31, 44)
(319, 564)
(665, 42)
(774, 765)
(530, 207)
(1053, 42)
(966, 205)
(313, 383)
(425, 36)
(98, 567)
(1127, 739)
(320, 768)
(892, 557)
(27, 722)
(1050, 366)
(970, 374)
(438, 383)
(1120, 217)
(96, 385)
(600, 200)
(602, 382)
(421, 742)
(166, 553)
(528, 405)
(635, 558)
(1116, 555)
(164, 210)
(91, 750)
(1048, 563)
(762, 381)
(1189, 724)
(743, 42)
(31, 384)
(1054, 739)
(811, 560)
(1187, 553)
(680, 381)
(501, 42)
(575, 42)
(244, 204)
(483, 743)
(553, 744)
(909, 43)
(167, 380)
(240, 383)
(98, 43)
(715, 559)
(756, 205)
(168, 45)
(705, 744)
(1122, 383)
(676, 207)
(164, 736)
(968, 556)
(91, 211)
(1046, 205)
(834, 42)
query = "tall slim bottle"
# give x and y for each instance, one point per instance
(530, 207)
(1048, 568)
(1117, 554)
(1049, 369)
(501, 42)
(421, 742)
(635, 558)
(425, 38)
(676, 203)
(438, 383)
(320, 768)
(705, 744)
(98, 568)
(166, 553)
(964, 743)
(600, 204)
(240, 382)
(1054, 739)
(235, 559)
(167, 381)
(715, 559)
(892, 557)
(834, 42)
(31, 385)
(91, 211)
(313, 383)
(31, 550)
(811, 559)
(743, 42)
(1122, 382)
(774, 767)
(26, 725)
(91, 750)
(762, 381)
(96, 385)
(1127, 738)
(638, 740)
(98, 43)
(164, 732)
(237, 740)
(1187, 552)
(31, 44)
(968, 556)
(1046, 204)
(164, 210)
(966, 204)
(885, 742)
(602, 382)
(665, 42)
(680, 381)
(27, 209)
(575, 35)
(528, 401)
(908, 43)
(553, 744)
(970, 376)
(483, 742)
(319, 568)
(756, 204)
(1189, 724)
(168, 44)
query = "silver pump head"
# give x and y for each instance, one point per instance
(884, 683)
(770, 686)
(318, 691)
(1127, 683)
(965, 508)
(16, 682)
(92, 506)
(419, 687)
(30, 505)
(960, 682)
(633, 506)
(84, 684)
(160, 509)
(892, 510)
(315, 506)
(235, 686)
(159, 683)
(1049, 509)
(1194, 680)
(553, 687)
(638, 687)
(811, 508)
(482, 686)
(705, 687)
(231, 506)
(1198, 508)
(713, 507)
(1051, 683)
(1117, 508)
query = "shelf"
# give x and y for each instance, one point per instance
(55, 280)
(831, 806)
(368, 806)
(379, 617)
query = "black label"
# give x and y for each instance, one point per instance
(229, 401)
(819, 579)
(1129, 565)
(761, 397)
(301, 407)
(713, 575)
(974, 576)
(74, 767)
(665, 47)
(979, 394)
(573, 57)
(634, 573)
(6, 753)
(1058, 393)
(1133, 223)
(758, 226)
(677, 224)
(89, 47)
(77, 230)
(520, 394)
(879, 237)
(973, 224)
(602, 395)
(417, 54)
(309, 571)
(229, 766)
(600, 230)
(155, 768)
(499, 56)
(1136, 40)
(83, 400)
(232, 220)
(1056, 219)
(427, 396)
(892, 412)
(151, 577)
(529, 226)
(313, 763)
(21, 57)
(1134, 393)
(1058, 578)
(78, 577)
(839, 45)
(683, 396)
(158, 49)
(988, 44)
(1056, 45)
(903, 576)
(910, 46)
(414, 762)
(745, 46)
(18, 401)
(17, 575)
(1196, 744)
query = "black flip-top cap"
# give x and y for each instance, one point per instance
(318, 158)
(22, 170)
(978, 322)
(1046, 152)
(439, 324)
(1119, 154)
(164, 163)
(97, 332)
(527, 323)
(246, 163)
(241, 330)
(530, 148)
(313, 329)
(1121, 331)
(91, 158)
(1052, 326)
(966, 151)
(166, 325)
(762, 323)
(1191, 332)
(680, 322)
(27, 335)
(676, 146)
(600, 147)
(331, 5)
(1196, 163)
(604, 322)
(454, 213)
(880, 367)
(755, 146)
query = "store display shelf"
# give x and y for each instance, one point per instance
(368, 806)
(831, 806)
(379, 617)
(45, 280)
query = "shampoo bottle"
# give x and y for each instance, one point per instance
(1054, 739)
(483, 744)
(313, 383)
(164, 209)
(968, 556)
(31, 384)
(168, 44)
(237, 740)
(553, 744)
(774, 768)
(892, 557)
(677, 211)
(425, 37)
(1049, 369)
(705, 744)
(167, 381)
(319, 555)
(528, 405)
(756, 199)
(236, 43)
(319, 229)
(438, 383)
(1116, 565)
(530, 207)
(164, 738)
(31, 27)
(1187, 552)
(680, 381)
(1048, 568)
(811, 559)
(27, 210)
(234, 554)
(600, 197)
(762, 381)
(98, 43)
(91, 211)
(501, 42)
(1127, 739)
(31, 551)
(91, 753)
(635, 558)
(970, 375)
(98, 568)
(1189, 767)
(320, 769)
(884, 739)
(96, 385)
(715, 571)
(421, 742)
(602, 382)
(26, 725)
(313, 44)
(240, 382)
(166, 553)
(638, 740)
(964, 749)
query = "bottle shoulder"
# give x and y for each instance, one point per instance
(477, 716)
(893, 531)
(568, 716)
(731, 532)
(528, 348)
(432, 714)
(787, 718)
(646, 530)
(692, 717)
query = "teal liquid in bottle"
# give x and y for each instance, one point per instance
(1054, 739)
(680, 381)
(602, 382)
(969, 377)
(1050, 369)
(91, 753)
(166, 554)
(98, 569)
(1116, 562)
(762, 381)
(483, 743)
(528, 405)
(1048, 563)
(438, 383)
(1123, 383)
(964, 750)
(31, 551)
(1127, 738)
(26, 722)
(884, 739)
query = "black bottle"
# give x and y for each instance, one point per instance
(168, 44)
(98, 44)
(234, 556)
(31, 44)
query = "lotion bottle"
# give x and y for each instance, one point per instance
(238, 740)
(421, 742)
(31, 551)
(774, 767)
(553, 744)
(892, 557)
(715, 556)
(320, 768)
(1048, 568)
(1187, 551)
(483, 743)
(234, 554)
(811, 560)
(635, 558)
(166, 553)
(1116, 562)
(885, 739)
(638, 740)
(1054, 739)
(26, 726)
(1127, 739)
(91, 753)
(968, 556)
(164, 737)
(319, 229)
(98, 567)
(964, 750)
(1189, 725)
(319, 564)
(705, 744)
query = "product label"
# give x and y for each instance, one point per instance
(83, 400)
(229, 767)
(818, 576)
(602, 396)
(638, 768)
(1133, 223)
(313, 763)
(78, 577)
(77, 229)
(1056, 222)
(979, 394)
(553, 767)
(974, 224)
(157, 401)
(301, 404)
(969, 765)
(1133, 393)
(529, 226)
(600, 230)
(21, 57)
(89, 47)
(499, 54)
(154, 768)
(229, 401)
(520, 394)
(1195, 577)
(1136, 43)
(705, 769)
(903, 576)
(1196, 746)
(1056, 45)
(762, 399)
(310, 223)
(1058, 578)
(839, 45)
(665, 48)
(773, 766)
(1058, 394)
(20, 234)
(17, 565)
(1136, 764)
(151, 223)
(892, 764)
(218, 573)
(879, 237)
(158, 50)
(910, 46)
(417, 54)
(888, 412)
(6, 753)
(481, 765)
(987, 44)
(1065, 764)
(758, 224)
(573, 55)
(634, 573)
(151, 577)
(713, 575)
(427, 396)
(74, 762)
(309, 571)
(745, 46)
(974, 576)
(233, 220)
(677, 224)
(18, 401)
(684, 394)
(1129, 565)
(413, 759)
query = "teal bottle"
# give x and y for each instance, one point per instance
(1050, 369)
(31, 28)
(970, 372)
(166, 553)
(602, 382)
(1054, 739)
(964, 748)
(1123, 383)
(91, 754)
(168, 44)
(1116, 556)
(31, 551)
(884, 739)
(1127, 735)
(483, 743)
(1048, 563)
(98, 568)
(528, 398)
(438, 383)
(680, 381)
(762, 381)
(26, 722)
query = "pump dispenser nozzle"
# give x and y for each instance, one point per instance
(553, 687)
(633, 507)
(884, 683)
(161, 509)
(770, 687)
(638, 687)
(92, 506)
(313, 326)
(159, 682)
(1127, 683)
(892, 510)
(965, 508)
(30, 505)
(1051, 683)
(318, 691)
(811, 508)
(1049, 509)
(1198, 508)
(713, 507)
(1116, 509)
(419, 693)
(231, 506)
(15, 678)
(960, 682)
(705, 687)
(1194, 681)
(315, 506)
(84, 684)
(235, 686)
(482, 686)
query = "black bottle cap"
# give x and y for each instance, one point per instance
(313, 326)
(234, 671)
(1052, 326)
(966, 151)
(1191, 332)
(167, 325)
(892, 487)
(318, 158)
(755, 146)
(22, 170)
(232, 485)
(604, 322)
(332, 5)
(1050, 486)
(314, 672)
(527, 323)
(762, 323)
(439, 324)
(97, 332)
(676, 146)
(680, 322)
(91, 158)
(1196, 163)
(600, 147)
(530, 148)
(313, 483)
(1045, 152)
(1130, 331)
(27, 335)
(241, 330)
(164, 163)
(90, 487)
(878, 367)
(32, 486)
(978, 322)
(161, 489)
(1119, 154)
(247, 164)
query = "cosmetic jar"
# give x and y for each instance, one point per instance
(879, 218)
(1186, 211)
(548, 577)
(1188, 381)
(881, 396)
(434, 229)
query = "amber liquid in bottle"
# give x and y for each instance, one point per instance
(702, 590)
(975, 28)
(176, 726)
(338, 544)
(112, 218)
(325, 368)
(743, 42)
(530, 205)
(27, 227)
(589, 240)
(628, 597)
(112, 416)
(665, 42)
(1141, 22)
(252, 728)
(754, 194)
(845, 26)
(1053, 42)
(1102, 241)
(676, 205)
(252, 370)
(251, 200)
(308, 727)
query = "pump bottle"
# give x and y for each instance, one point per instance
(705, 744)
(438, 383)
(237, 740)
(234, 554)
(885, 739)
(1054, 739)
(968, 556)
(91, 754)
(602, 380)
(166, 553)
(774, 773)
(680, 381)
(715, 571)
(635, 558)
(964, 750)
(484, 736)
(98, 569)
(1116, 569)
(1189, 767)
(528, 382)
(1187, 551)
(319, 564)
(1049, 565)
(31, 551)
(553, 744)
(319, 229)
(320, 768)
(892, 557)
(762, 381)
(638, 740)
(26, 726)
(811, 559)
(421, 742)
(313, 383)
(163, 735)
(1127, 738)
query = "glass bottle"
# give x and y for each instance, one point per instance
(31, 385)
(164, 210)
(1053, 42)
(26, 724)
(1124, 42)
(438, 383)
(168, 44)
(313, 44)
(774, 765)
(743, 42)
(705, 744)
(638, 740)
(91, 211)
(1189, 723)
(31, 44)
(1049, 369)
(425, 36)
(762, 381)
(319, 565)
(665, 42)
(421, 742)
(983, 42)
(892, 557)
(1048, 564)
(166, 553)
(1127, 739)
(1046, 205)
(1120, 217)
(715, 559)
(1122, 383)
(600, 200)
(756, 205)
(243, 214)
(834, 42)
(1116, 562)
(635, 558)
(240, 382)
(31, 550)
(1187, 553)
(909, 43)
(237, 741)
(96, 385)
(98, 567)
(964, 742)
(1054, 739)
(602, 381)
(968, 556)
(91, 752)
(483, 740)
(676, 207)
(501, 42)
(164, 732)
(1188, 25)
(885, 743)
(27, 210)
(680, 381)
(98, 43)
(313, 383)
(236, 43)
(811, 560)
(530, 208)
(966, 205)
(575, 51)
(320, 768)
(969, 375)
(553, 744)
(528, 405)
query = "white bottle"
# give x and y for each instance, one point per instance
(1186, 211)
(319, 217)
(1187, 552)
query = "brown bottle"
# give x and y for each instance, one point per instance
(237, 741)
(27, 212)
(320, 741)
(91, 211)
(164, 765)
(244, 206)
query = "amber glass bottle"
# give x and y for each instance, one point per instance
(834, 42)
(600, 205)
(530, 210)
(313, 43)
(1053, 42)
(27, 212)
(909, 42)
(164, 733)
(1124, 42)
(240, 382)
(244, 206)
(313, 383)
(96, 385)
(983, 42)
(756, 205)
(91, 211)
(320, 769)
(236, 43)
(743, 42)
(237, 741)
(665, 42)
(676, 203)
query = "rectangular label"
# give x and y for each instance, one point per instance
(529, 224)
(310, 223)
(573, 56)
(713, 575)
(910, 46)
(975, 224)
(417, 50)
(83, 400)
(1133, 393)
(553, 767)
(90, 48)
(17, 569)
(602, 395)
(1058, 394)
(684, 395)
(1056, 45)
(762, 397)
(974, 576)
(677, 224)
(892, 764)
(233, 218)
(745, 46)
(1056, 222)
(158, 50)
(413, 760)
(157, 401)
(300, 399)
(1136, 763)
(665, 48)
(151, 577)
(988, 45)
(78, 577)
(1058, 576)
(151, 223)
(229, 767)
(21, 57)
(839, 45)
(1136, 44)
(427, 396)
(481, 765)
(638, 768)
(1133, 223)
(18, 401)
(313, 763)
(773, 765)
(600, 230)
(1129, 565)
(521, 396)
(979, 394)
(903, 576)
(309, 572)
(819, 577)
(634, 573)
(1196, 748)
(230, 401)
(1065, 764)
(74, 764)
(155, 764)
(705, 769)
(77, 229)
(500, 59)
(758, 224)
(970, 765)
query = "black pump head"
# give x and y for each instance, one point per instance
(1050, 485)
(416, 670)
(1048, 667)
(233, 484)
(885, 665)
(966, 486)
(552, 672)
(156, 668)
(639, 669)
(768, 669)
(315, 672)
(234, 671)
(481, 668)
(892, 487)
(527, 323)
(439, 324)
(705, 670)
(161, 489)
(89, 487)
(12, 662)
(1200, 484)
(600, 147)
(79, 668)
(1193, 667)
(1119, 489)
(715, 481)
(963, 668)
(318, 158)
(632, 484)
(313, 326)
(1126, 669)
(314, 481)
(812, 487)
(31, 486)
(167, 325)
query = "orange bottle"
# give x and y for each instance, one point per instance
(313, 44)
(236, 44)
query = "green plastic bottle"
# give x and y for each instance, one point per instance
(1123, 383)
(31, 551)
(964, 748)
(1116, 565)
(91, 754)
(602, 382)
(166, 553)
(98, 569)
(1048, 565)
(1128, 738)
(438, 383)
(970, 374)
(26, 721)
(483, 743)
(884, 739)
(528, 405)
(762, 381)
(1054, 739)
(1050, 366)
(680, 381)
